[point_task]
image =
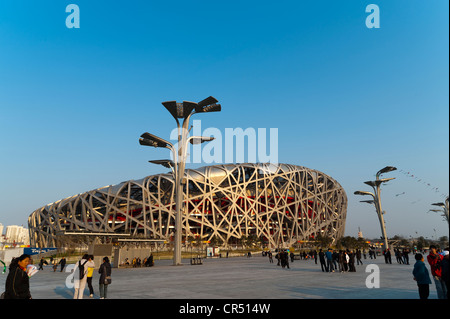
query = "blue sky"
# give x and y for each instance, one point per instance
(347, 100)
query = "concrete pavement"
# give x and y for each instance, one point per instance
(241, 278)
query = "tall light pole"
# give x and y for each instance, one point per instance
(444, 207)
(377, 199)
(180, 111)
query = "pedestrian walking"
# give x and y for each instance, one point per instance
(387, 256)
(286, 255)
(322, 261)
(422, 277)
(405, 254)
(41, 263)
(435, 259)
(17, 284)
(270, 257)
(351, 262)
(398, 256)
(89, 275)
(79, 276)
(62, 262)
(105, 277)
(358, 257)
(55, 265)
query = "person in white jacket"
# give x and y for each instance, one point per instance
(80, 284)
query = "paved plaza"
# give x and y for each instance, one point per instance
(240, 278)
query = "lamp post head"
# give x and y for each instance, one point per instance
(378, 181)
(386, 169)
(372, 183)
(180, 110)
(367, 201)
(208, 105)
(200, 139)
(183, 110)
(165, 163)
(148, 139)
(363, 193)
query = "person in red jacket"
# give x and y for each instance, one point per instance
(435, 259)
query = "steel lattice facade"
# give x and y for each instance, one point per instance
(281, 204)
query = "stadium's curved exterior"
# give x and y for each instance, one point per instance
(281, 204)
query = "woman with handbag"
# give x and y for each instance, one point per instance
(105, 277)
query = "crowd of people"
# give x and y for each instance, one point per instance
(402, 256)
(17, 282)
(330, 260)
(339, 260)
(344, 261)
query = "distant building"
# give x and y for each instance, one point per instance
(360, 234)
(17, 234)
(2, 238)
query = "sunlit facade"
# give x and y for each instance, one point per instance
(279, 204)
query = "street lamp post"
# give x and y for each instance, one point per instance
(444, 207)
(180, 111)
(377, 199)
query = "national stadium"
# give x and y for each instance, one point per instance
(280, 204)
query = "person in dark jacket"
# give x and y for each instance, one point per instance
(358, 257)
(42, 263)
(62, 262)
(445, 270)
(351, 261)
(105, 277)
(422, 276)
(323, 265)
(17, 284)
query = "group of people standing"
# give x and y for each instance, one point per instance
(330, 260)
(83, 273)
(283, 258)
(342, 260)
(402, 256)
(439, 265)
(137, 262)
